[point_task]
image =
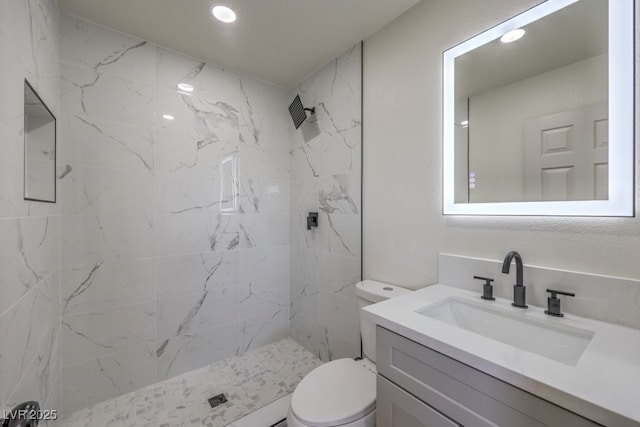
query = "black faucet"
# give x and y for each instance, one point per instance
(519, 290)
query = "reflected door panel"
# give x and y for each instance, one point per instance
(566, 155)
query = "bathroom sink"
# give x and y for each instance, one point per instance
(515, 327)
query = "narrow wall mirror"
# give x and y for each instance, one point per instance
(39, 148)
(538, 114)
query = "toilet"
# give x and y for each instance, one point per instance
(343, 392)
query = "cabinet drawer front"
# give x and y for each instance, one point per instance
(397, 408)
(466, 394)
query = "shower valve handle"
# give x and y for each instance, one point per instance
(312, 220)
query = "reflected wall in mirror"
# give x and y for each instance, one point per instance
(541, 123)
(39, 148)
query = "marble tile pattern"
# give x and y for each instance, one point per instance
(326, 178)
(175, 233)
(250, 382)
(609, 299)
(29, 231)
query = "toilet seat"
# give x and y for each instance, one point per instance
(334, 394)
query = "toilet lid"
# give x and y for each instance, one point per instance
(335, 393)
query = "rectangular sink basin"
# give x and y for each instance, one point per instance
(562, 343)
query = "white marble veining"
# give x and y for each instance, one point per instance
(108, 324)
(97, 95)
(30, 45)
(183, 191)
(172, 228)
(602, 386)
(250, 382)
(90, 335)
(180, 353)
(28, 253)
(179, 234)
(209, 81)
(102, 378)
(263, 329)
(102, 143)
(339, 273)
(89, 239)
(264, 196)
(201, 155)
(17, 333)
(340, 193)
(263, 230)
(196, 272)
(102, 50)
(175, 234)
(30, 243)
(326, 178)
(29, 362)
(91, 191)
(343, 235)
(264, 162)
(106, 285)
(186, 313)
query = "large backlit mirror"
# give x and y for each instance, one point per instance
(538, 114)
(39, 148)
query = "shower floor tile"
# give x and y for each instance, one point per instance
(249, 382)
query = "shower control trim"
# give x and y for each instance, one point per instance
(312, 220)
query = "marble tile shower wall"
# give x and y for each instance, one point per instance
(29, 231)
(175, 233)
(326, 170)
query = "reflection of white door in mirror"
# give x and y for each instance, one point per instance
(566, 156)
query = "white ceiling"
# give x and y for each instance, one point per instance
(279, 41)
(572, 34)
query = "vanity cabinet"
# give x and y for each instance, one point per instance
(395, 407)
(421, 386)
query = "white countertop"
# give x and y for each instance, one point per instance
(604, 386)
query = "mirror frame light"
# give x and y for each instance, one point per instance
(621, 120)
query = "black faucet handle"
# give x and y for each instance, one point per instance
(487, 288)
(553, 302)
(555, 292)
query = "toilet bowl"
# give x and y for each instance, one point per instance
(343, 392)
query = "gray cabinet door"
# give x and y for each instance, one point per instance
(463, 393)
(397, 408)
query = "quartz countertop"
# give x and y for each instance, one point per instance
(603, 386)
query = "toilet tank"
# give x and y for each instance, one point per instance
(370, 292)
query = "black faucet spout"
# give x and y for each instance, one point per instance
(506, 266)
(519, 290)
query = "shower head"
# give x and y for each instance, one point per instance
(298, 112)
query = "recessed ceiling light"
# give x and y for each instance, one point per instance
(168, 117)
(512, 36)
(224, 14)
(185, 87)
